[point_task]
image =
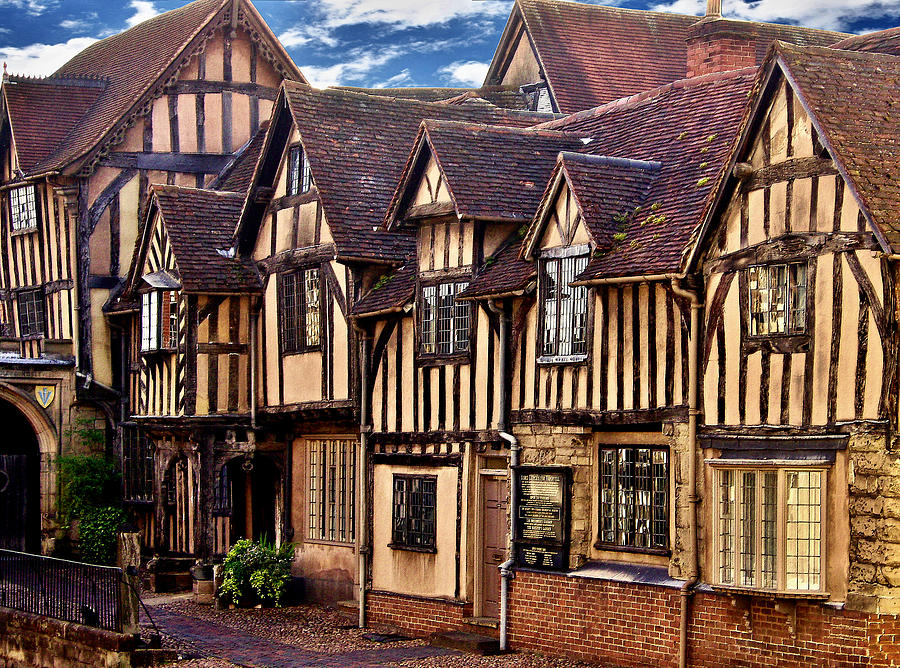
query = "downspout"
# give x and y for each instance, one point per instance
(506, 568)
(687, 589)
(362, 539)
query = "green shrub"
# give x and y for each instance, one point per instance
(98, 530)
(86, 483)
(256, 572)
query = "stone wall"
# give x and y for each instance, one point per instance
(31, 641)
(874, 483)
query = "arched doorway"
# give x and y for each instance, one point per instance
(20, 488)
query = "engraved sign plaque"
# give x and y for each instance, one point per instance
(541, 522)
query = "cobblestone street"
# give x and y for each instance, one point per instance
(306, 635)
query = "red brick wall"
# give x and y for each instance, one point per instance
(637, 625)
(413, 614)
(718, 46)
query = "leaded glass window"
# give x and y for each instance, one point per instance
(299, 172)
(634, 497)
(564, 308)
(446, 320)
(300, 306)
(414, 507)
(23, 208)
(332, 490)
(777, 299)
(32, 319)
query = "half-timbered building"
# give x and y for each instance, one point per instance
(168, 101)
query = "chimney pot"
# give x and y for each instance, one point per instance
(714, 8)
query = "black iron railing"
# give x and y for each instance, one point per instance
(66, 590)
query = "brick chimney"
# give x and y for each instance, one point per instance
(715, 44)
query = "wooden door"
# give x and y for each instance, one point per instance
(14, 506)
(494, 540)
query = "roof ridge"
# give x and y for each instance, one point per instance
(651, 12)
(638, 98)
(437, 123)
(163, 187)
(88, 80)
(629, 163)
(782, 46)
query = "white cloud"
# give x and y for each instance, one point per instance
(303, 35)
(465, 73)
(828, 14)
(143, 10)
(406, 13)
(84, 24)
(350, 72)
(33, 7)
(402, 78)
(42, 59)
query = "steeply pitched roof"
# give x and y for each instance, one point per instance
(200, 224)
(238, 174)
(593, 54)
(43, 112)
(688, 127)
(503, 273)
(357, 146)
(134, 63)
(852, 99)
(881, 41)
(507, 97)
(492, 172)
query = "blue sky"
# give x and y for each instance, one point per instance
(374, 42)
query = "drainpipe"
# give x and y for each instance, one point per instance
(506, 568)
(687, 589)
(362, 539)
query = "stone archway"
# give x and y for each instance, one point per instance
(27, 481)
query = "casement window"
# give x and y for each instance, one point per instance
(777, 299)
(770, 528)
(23, 208)
(564, 309)
(32, 318)
(159, 320)
(415, 498)
(634, 497)
(332, 490)
(299, 300)
(299, 172)
(137, 466)
(445, 321)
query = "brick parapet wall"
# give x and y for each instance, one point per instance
(627, 624)
(414, 614)
(32, 641)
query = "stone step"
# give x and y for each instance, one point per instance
(465, 642)
(144, 658)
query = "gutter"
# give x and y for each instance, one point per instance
(506, 568)
(641, 278)
(687, 589)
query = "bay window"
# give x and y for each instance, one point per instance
(770, 528)
(159, 320)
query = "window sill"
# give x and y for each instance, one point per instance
(335, 543)
(158, 352)
(550, 360)
(777, 343)
(301, 351)
(633, 550)
(412, 548)
(24, 230)
(772, 594)
(429, 359)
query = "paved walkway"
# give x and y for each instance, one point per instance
(212, 640)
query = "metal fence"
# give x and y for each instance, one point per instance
(66, 590)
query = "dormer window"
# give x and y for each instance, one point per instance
(159, 320)
(777, 299)
(22, 208)
(537, 96)
(564, 308)
(299, 172)
(445, 321)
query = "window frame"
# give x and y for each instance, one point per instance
(299, 172)
(460, 309)
(782, 469)
(156, 319)
(791, 331)
(563, 254)
(402, 541)
(138, 466)
(293, 319)
(38, 328)
(331, 469)
(601, 544)
(32, 204)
